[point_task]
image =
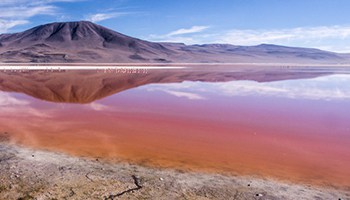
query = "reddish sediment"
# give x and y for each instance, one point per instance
(289, 139)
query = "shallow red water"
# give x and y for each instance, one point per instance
(297, 139)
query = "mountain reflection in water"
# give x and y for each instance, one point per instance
(290, 125)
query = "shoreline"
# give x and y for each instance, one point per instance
(36, 174)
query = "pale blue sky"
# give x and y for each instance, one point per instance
(321, 24)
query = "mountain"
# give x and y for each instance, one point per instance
(86, 42)
(76, 42)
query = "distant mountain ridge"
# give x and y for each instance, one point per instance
(86, 42)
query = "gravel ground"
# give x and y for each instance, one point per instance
(35, 174)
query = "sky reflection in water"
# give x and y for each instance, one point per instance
(291, 129)
(332, 87)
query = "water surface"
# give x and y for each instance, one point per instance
(292, 128)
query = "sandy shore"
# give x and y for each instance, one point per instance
(34, 174)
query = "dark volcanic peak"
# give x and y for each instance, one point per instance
(82, 31)
(72, 31)
(80, 41)
(84, 41)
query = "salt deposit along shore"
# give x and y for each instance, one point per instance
(36, 174)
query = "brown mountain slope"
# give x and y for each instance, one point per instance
(76, 42)
(86, 42)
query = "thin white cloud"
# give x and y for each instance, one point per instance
(5, 25)
(31, 2)
(26, 12)
(12, 16)
(333, 38)
(18, 12)
(193, 29)
(104, 16)
(306, 34)
(182, 35)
